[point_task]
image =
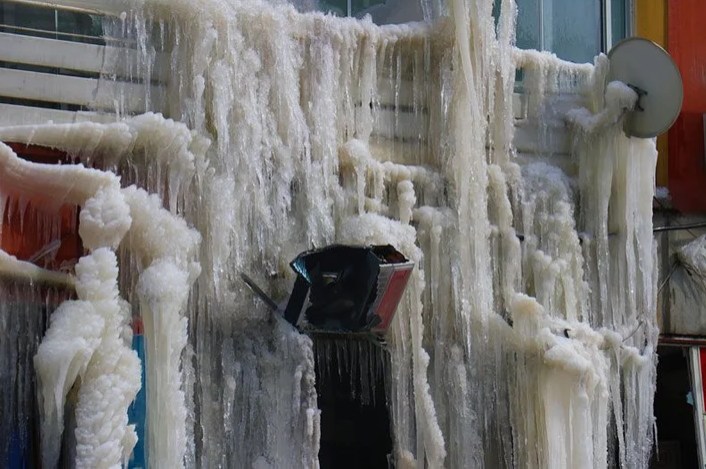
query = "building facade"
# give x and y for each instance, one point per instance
(53, 67)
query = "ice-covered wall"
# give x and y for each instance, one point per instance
(526, 337)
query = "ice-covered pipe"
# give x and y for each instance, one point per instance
(12, 267)
(619, 98)
(51, 185)
(167, 248)
(98, 357)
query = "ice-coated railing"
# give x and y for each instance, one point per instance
(64, 76)
(71, 77)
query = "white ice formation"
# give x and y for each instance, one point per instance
(527, 335)
(85, 345)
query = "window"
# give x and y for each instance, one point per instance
(349, 7)
(575, 30)
(381, 11)
(46, 22)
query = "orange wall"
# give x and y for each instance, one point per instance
(651, 23)
(686, 30)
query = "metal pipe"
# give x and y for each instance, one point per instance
(679, 227)
(259, 292)
(658, 229)
(681, 341)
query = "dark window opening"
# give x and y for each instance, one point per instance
(355, 423)
(676, 444)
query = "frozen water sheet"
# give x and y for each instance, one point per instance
(527, 334)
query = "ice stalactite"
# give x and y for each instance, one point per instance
(340, 130)
(237, 77)
(167, 248)
(619, 245)
(62, 359)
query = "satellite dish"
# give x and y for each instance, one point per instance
(650, 71)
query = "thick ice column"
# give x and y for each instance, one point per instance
(476, 435)
(84, 342)
(112, 378)
(166, 247)
(74, 333)
(616, 181)
(78, 328)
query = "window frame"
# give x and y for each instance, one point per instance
(607, 40)
(607, 26)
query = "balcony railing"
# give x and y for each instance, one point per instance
(56, 65)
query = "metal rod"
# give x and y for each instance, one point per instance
(258, 291)
(607, 25)
(540, 7)
(679, 227)
(681, 341)
(658, 229)
(630, 18)
(10, 267)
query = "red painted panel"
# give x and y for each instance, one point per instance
(702, 362)
(687, 161)
(26, 233)
(392, 296)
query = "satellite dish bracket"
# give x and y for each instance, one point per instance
(640, 93)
